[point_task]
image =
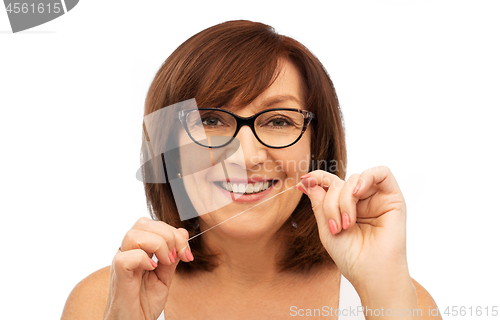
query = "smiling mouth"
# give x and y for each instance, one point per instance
(250, 188)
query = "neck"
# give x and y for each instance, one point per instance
(245, 262)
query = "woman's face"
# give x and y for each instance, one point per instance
(253, 163)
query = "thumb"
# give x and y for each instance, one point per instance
(165, 272)
(184, 232)
(182, 244)
(316, 195)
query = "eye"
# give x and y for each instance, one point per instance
(211, 121)
(278, 122)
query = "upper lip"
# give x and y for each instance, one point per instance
(248, 180)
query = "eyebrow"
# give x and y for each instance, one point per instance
(269, 102)
(279, 99)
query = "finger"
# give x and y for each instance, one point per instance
(182, 249)
(176, 238)
(126, 263)
(323, 190)
(331, 206)
(150, 242)
(166, 231)
(316, 195)
(318, 178)
(314, 185)
(379, 176)
(348, 202)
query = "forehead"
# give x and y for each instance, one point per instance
(286, 91)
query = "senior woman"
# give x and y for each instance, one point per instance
(289, 255)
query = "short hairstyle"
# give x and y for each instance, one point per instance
(235, 62)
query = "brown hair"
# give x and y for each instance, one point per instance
(236, 61)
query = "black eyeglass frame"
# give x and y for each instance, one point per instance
(248, 121)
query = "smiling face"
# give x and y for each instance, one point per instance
(253, 167)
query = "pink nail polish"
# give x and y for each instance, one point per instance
(189, 255)
(153, 263)
(345, 221)
(332, 225)
(174, 253)
(301, 189)
(171, 257)
(356, 188)
(305, 176)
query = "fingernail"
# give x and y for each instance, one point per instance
(171, 257)
(153, 263)
(356, 188)
(189, 255)
(301, 189)
(174, 253)
(345, 221)
(305, 176)
(333, 226)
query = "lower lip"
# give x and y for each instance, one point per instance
(245, 197)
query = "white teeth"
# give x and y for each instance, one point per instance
(247, 189)
(257, 186)
(241, 188)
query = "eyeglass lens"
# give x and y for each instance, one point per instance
(276, 128)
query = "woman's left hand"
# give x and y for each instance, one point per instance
(363, 230)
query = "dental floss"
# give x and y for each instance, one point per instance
(199, 234)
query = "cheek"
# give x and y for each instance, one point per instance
(302, 154)
(294, 162)
(298, 165)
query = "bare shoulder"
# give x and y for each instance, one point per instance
(426, 302)
(88, 299)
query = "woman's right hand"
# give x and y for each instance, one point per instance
(139, 287)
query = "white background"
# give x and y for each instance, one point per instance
(418, 83)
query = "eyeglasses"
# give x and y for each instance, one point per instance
(274, 128)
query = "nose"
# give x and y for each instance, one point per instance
(254, 152)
